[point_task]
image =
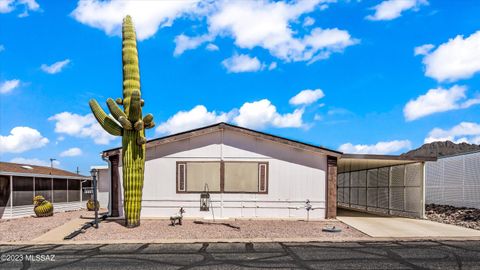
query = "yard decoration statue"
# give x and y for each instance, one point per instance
(129, 124)
(42, 208)
(178, 217)
(91, 205)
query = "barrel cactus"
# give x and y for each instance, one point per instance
(128, 124)
(42, 208)
(91, 205)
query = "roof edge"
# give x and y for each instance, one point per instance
(223, 125)
(386, 157)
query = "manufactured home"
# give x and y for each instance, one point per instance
(251, 174)
(19, 183)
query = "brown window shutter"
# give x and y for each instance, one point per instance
(181, 176)
(263, 177)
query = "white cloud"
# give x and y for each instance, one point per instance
(468, 132)
(262, 113)
(338, 111)
(55, 67)
(148, 16)
(307, 96)
(8, 86)
(35, 161)
(211, 47)
(321, 43)
(458, 58)
(308, 21)
(423, 50)
(242, 63)
(268, 24)
(391, 9)
(197, 117)
(438, 100)
(184, 43)
(263, 23)
(7, 6)
(82, 126)
(272, 66)
(22, 139)
(72, 152)
(257, 115)
(378, 148)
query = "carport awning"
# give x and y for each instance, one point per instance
(356, 162)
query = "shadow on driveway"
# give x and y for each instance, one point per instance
(348, 255)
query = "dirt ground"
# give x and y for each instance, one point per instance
(29, 228)
(225, 229)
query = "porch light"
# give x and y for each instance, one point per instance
(205, 199)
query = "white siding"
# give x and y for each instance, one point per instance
(103, 194)
(294, 176)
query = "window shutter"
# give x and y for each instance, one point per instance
(181, 176)
(262, 175)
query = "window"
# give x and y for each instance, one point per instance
(86, 196)
(4, 190)
(73, 190)
(192, 176)
(229, 177)
(22, 190)
(59, 190)
(43, 186)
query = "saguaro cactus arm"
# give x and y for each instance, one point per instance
(104, 120)
(148, 121)
(118, 114)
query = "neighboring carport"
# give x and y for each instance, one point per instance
(382, 184)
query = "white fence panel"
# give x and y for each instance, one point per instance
(454, 181)
(394, 190)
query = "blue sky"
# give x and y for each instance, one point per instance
(359, 76)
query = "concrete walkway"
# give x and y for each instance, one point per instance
(57, 234)
(380, 226)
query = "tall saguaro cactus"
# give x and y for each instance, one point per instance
(129, 124)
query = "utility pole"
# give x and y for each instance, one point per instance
(78, 171)
(51, 162)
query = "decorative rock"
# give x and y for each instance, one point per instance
(460, 216)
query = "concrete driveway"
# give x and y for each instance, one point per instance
(381, 226)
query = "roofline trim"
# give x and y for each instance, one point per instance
(43, 175)
(386, 157)
(223, 125)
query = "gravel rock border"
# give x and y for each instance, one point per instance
(29, 228)
(460, 216)
(157, 229)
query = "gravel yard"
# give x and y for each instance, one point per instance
(29, 228)
(226, 229)
(465, 217)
